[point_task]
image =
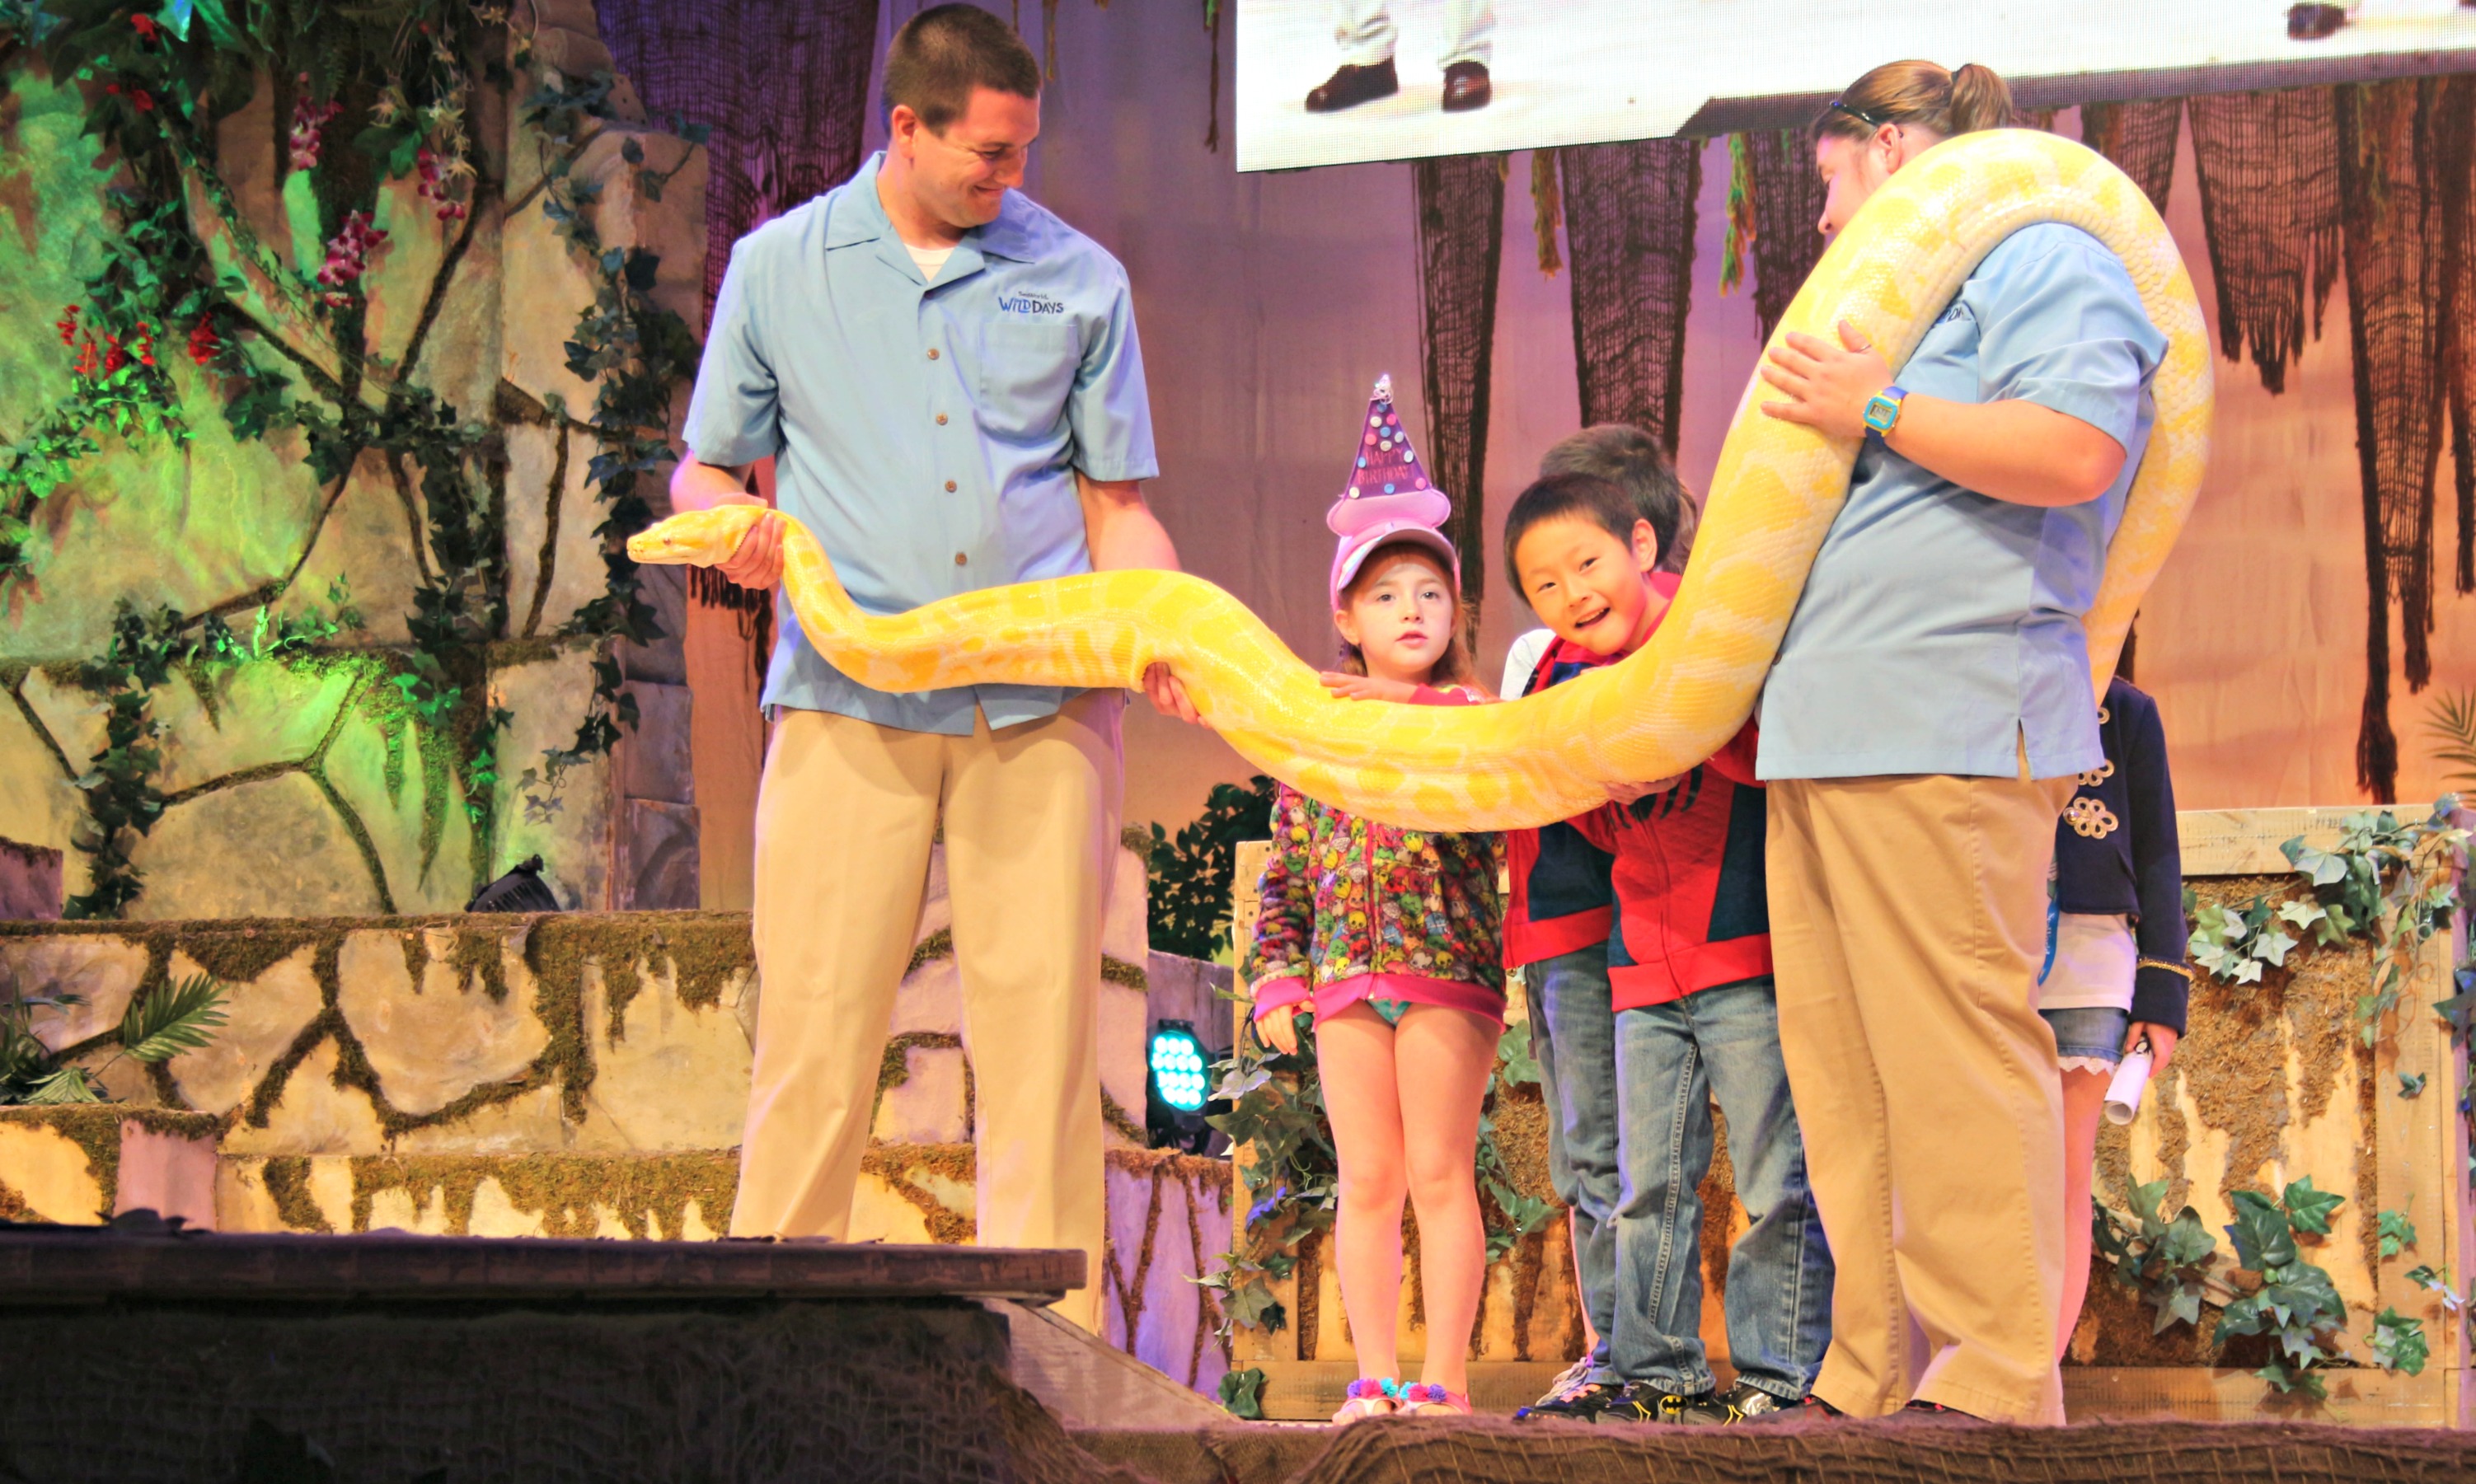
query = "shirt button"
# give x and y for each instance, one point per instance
(932, 353)
(941, 419)
(949, 490)
(958, 558)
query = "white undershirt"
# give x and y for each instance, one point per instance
(931, 259)
(1522, 658)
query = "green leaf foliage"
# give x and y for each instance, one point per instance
(2411, 1084)
(178, 1016)
(2392, 883)
(2308, 1210)
(2261, 1236)
(2398, 1233)
(2164, 1259)
(2398, 1342)
(68, 1084)
(2287, 1297)
(1189, 876)
(1242, 1394)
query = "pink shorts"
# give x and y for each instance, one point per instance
(1331, 1000)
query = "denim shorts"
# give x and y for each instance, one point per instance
(2093, 1034)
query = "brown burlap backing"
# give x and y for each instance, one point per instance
(2269, 205)
(1790, 1453)
(1629, 213)
(2454, 132)
(2389, 166)
(747, 1392)
(2139, 137)
(784, 85)
(1788, 210)
(1460, 205)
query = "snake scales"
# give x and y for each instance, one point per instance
(1550, 757)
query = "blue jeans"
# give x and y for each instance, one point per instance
(1630, 1142)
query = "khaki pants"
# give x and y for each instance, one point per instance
(844, 822)
(1908, 920)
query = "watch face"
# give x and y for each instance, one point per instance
(1882, 412)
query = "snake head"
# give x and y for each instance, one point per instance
(701, 538)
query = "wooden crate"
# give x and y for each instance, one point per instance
(2332, 1110)
(2273, 1084)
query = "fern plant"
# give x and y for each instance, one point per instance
(176, 1015)
(2452, 721)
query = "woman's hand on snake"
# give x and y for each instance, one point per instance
(1827, 386)
(1366, 687)
(758, 562)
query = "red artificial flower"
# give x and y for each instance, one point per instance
(86, 361)
(67, 325)
(144, 100)
(203, 346)
(113, 356)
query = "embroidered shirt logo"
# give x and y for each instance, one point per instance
(1030, 303)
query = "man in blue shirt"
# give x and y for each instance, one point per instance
(947, 379)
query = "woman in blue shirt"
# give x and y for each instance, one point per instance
(1921, 730)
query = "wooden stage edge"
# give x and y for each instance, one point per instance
(52, 1266)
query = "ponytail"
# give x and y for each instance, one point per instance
(1980, 99)
(1922, 95)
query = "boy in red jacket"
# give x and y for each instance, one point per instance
(1689, 991)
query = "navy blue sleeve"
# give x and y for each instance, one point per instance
(2162, 988)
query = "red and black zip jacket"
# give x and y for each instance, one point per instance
(1692, 907)
(1562, 898)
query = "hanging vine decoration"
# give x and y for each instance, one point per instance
(365, 95)
(2394, 884)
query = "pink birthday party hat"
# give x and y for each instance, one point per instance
(1387, 497)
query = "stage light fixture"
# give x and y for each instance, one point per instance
(1177, 1088)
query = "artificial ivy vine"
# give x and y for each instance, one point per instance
(2394, 884)
(366, 93)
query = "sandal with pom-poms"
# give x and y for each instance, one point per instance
(1421, 1400)
(1370, 1397)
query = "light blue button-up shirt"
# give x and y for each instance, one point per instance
(927, 434)
(1941, 629)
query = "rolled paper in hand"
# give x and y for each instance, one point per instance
(2131, 1079)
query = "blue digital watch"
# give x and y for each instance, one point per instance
(1883, 411)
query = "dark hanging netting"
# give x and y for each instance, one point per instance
(1787, 210)
(2390, 162)
(2269, 203)
(2139, 137)
(1629, 230)
(2455, 132)
(1460, 202)
(783, 86)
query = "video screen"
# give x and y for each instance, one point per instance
(1333, 82)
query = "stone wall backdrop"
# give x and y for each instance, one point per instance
(306, 668)
(582, 1075)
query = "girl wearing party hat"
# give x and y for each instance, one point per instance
(1390, 939)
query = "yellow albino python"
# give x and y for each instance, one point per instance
(1550, 757)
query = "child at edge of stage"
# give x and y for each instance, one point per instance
(1692, 1016)
(2115, 980)
(1390, 937)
